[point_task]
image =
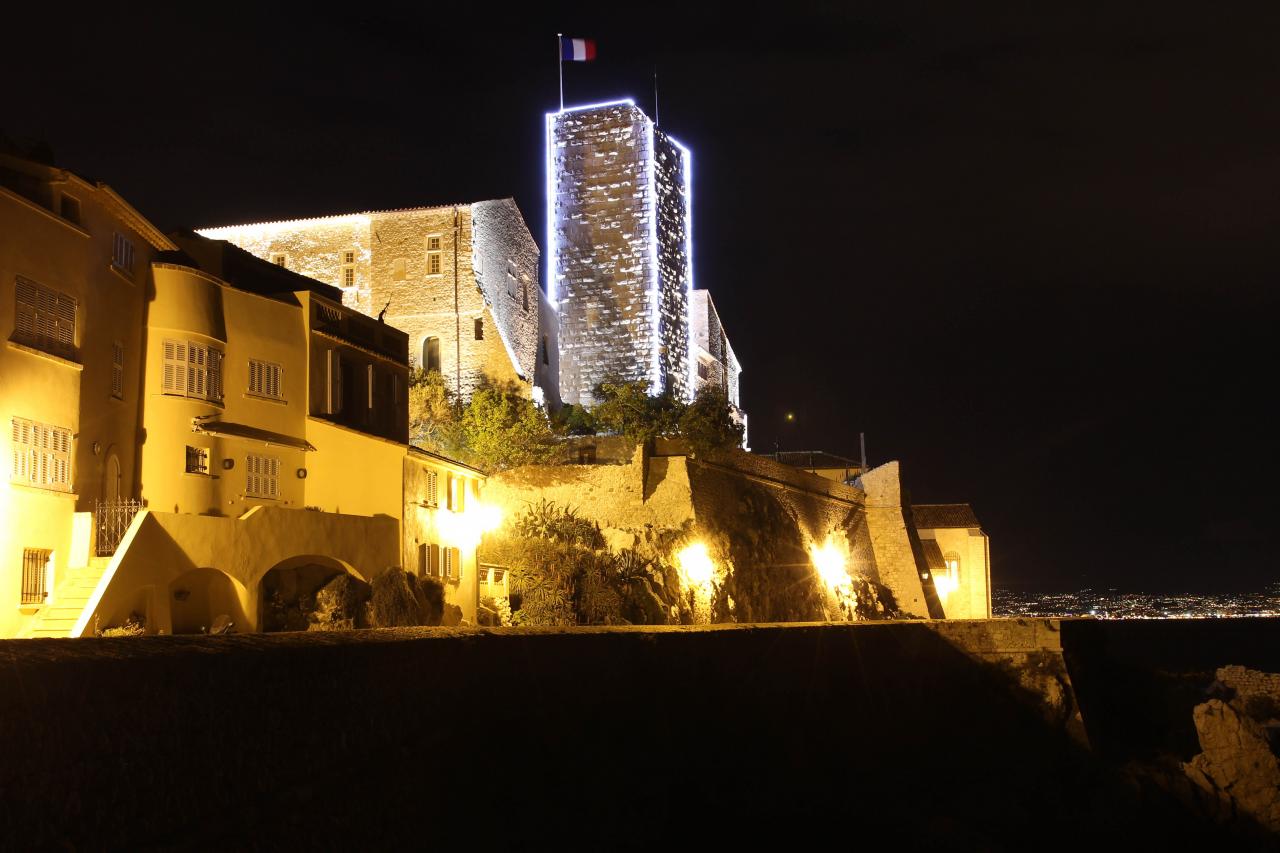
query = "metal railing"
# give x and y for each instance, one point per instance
(111, 519)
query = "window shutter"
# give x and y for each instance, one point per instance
(448, 563)
(457, 564)
(434, 560)
(117, 369)
(273, 474)
(214, 390)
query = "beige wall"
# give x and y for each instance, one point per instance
(428, 520)
(192, 306)
(75, 393)
(971, 599)
(164, 553)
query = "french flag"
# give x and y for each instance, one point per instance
(577, 50)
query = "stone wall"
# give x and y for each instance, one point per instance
(902, 734)
(603, 228)
(506, 271)
(898, 558)
(671, 181)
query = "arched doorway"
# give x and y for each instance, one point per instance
(198, 597)
(312, 593)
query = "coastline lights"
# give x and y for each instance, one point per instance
(695, 565)
(829, 561)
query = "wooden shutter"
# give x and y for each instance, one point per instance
(175, 367)
(434, 560)
(25, 319)
(214, 382)
(195, 370)
(117, 369)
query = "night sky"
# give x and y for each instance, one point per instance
(1032, 254)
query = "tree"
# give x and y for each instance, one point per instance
(433, 412)
(707, 423)
(625, 408)
(501, 428)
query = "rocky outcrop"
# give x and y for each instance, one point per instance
(1238, 765)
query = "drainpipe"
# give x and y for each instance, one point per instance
(457, 317)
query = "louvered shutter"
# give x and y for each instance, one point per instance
(64, 331)
(196, 371)
(251, 475)
(214, 387)
(25, 319)
(434, 563)
(273, 477)
(117, 370)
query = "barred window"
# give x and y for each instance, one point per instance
(122, 254)
(117, 370)
(35, 575)
(264, 379)
(44, 318)
(41, 455)
(192, 370)
(262, 477)
(197, 460)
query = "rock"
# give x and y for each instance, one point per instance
(487, 618)
(430, 594)
(222, 624)
(1236, 762)
(452, 616)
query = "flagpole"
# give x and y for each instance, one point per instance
(560, 65)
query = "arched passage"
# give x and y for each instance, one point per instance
(198, 597)
(312, 593)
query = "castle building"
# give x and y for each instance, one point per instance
(619, 249)
(715, 365)
(461, 280)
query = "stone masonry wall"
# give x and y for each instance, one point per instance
(895, 557)
(670, 167)
(603, 224)
(314, 248)
(506, 271)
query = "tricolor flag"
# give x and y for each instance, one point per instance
(577, 50)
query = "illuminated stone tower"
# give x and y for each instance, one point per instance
(619, 250)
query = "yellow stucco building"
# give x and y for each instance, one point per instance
(958, 553)
(186, 425)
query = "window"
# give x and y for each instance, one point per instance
(952, 559)
(44, 318)
(197, 460)
(432, 496)
(280, 259)
(122, 254)
(192, 370)
(702, 370)
(35, 575)
(455, 490)
(348, 269)
(511, 280)
(117, 370)
(431, 353)
(546, 357)
(264, 379)
(479, 329)
(262, 477)
(433, 255)
(452, 564)
(524, 292)
(41, 455)
(333, 384)
(69, 208)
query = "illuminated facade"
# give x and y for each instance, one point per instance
(184, 422)
(75, 270)
(958, 553)
(620, 251)
(714, 363)
(461, 280)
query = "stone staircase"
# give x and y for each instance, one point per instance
(69, 600)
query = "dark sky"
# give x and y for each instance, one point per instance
(1030, 253)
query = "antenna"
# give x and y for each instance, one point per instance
(655, 96)
(384, 311)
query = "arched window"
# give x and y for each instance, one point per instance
(952, 559)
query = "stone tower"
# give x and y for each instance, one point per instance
(619, 250)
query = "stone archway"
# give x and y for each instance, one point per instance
(198, 598)
(312, 593)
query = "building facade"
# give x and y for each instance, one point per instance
(461, 280)
(192, 432)
(714, 363)
(75, 271)
(959, 555)
(619, 250)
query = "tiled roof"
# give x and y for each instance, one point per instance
(932, 516)
(933, 556)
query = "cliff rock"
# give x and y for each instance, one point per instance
(1237, 762)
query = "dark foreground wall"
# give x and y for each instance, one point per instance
(593, 738)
